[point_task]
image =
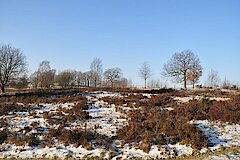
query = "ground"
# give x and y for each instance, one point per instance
(104, 119)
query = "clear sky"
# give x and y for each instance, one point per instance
(124, 33)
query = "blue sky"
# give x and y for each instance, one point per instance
(124, 33)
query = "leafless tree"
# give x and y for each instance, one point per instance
(45, 74)
(12, 64)
(194, 73)
(44, 66)
(78, 78)
(124, 82)
(213, 79)
(179, 65)
(96, 71)
(226, 84)
(65, 78)
(112, 74)
(130, 83)
(19, 82)
(121, 83)
(86, 79)
(154, 83)
(34, 79)
(145, 73)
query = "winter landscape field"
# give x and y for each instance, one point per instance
(120, 79)
(120, 124)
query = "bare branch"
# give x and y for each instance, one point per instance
(145, 72)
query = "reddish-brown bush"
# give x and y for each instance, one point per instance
(160, 127)
(3, 136)
(7, 107)
(161, 100)
(225, 111)
(78, 137)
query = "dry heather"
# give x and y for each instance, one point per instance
(155, 125)
(161, 127)
(225, 111)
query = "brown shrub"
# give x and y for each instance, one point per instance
(160, 127)
(3, 136)
(225, 111)
(113, 100)
(7, 107)
(161, 100)
(33, 140)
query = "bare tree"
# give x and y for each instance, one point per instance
(44, 66)
(12, 64)
(179, 65)
(154, 83)
(78, 78)
(145, 73)
(112, 74)
(194, 73)
(226, 84)
(121, 83)
(34, 79)
(130, 83)
(65, 78)
(45, 74)
(96, 71)
(87, 78)
(19, 82)
(213, 79)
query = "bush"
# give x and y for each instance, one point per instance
(20, 139)
(33, 140)
(225, 111)
(3, 136)
(160, 127)
(7, 107)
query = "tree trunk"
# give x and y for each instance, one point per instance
(88, 83)
(193, 84)
(145, 83)
(95, 83)
(185, 81)
(3, 89)
(112, 84)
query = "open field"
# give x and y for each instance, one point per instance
(120, 124)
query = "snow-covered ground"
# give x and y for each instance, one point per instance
(220, 134)
(187, 99)
(105, 120)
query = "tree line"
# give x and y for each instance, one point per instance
(183, 67)
(46, 77)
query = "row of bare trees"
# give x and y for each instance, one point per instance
(13, 73)
(183, 67)
(45, 77)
